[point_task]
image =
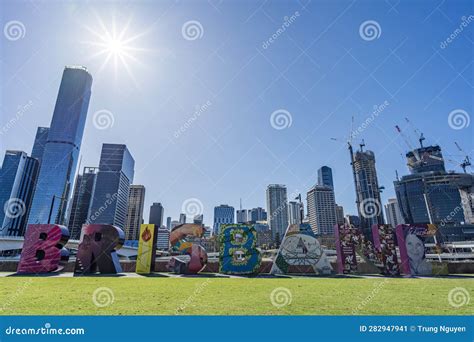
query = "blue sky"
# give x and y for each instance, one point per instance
(320, 70)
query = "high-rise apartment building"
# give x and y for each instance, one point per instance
(321, 209)
(277, 208)
(392, 211)
(136, 204)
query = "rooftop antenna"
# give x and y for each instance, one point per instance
(396, 175)
(362, 144)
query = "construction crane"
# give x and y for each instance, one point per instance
(467, 161)
(419, 134)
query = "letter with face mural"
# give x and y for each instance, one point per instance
(97, 251)
(412, 248)
(43, 249)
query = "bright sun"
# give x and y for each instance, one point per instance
(115, 46)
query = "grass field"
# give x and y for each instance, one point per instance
(230, 296)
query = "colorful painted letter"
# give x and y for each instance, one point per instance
(43, 249)
(384, 241)
(300, 252)
(193, 257)
(146, 249)
(411, 243)
(238, 253)
(97, 249)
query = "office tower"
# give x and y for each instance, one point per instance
(60, 155)
(325, 176)
(198, 219)
(168, 223)
(40, 142)
(242, 216)
(136, 203)
(182, 218)
(156, 215)
(264, 234)
(17, 179)
(277, 208)
(223, 214)
(257, 214)
(321, 209)
(81, 201)
(163, 239)
(369, 203)
(340, 215)
(174, 224)
(110, 198)
(294, 213)
(430, 194)
(392, 211)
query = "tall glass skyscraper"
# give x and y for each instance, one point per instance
(325, 176)
(156, 215)
(112, 187)
(17, 178)
(41, 139)
(61, 151)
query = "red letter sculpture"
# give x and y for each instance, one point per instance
(43, 249)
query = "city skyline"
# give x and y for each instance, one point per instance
(200, 157)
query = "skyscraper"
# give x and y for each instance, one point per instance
(223, 214)
(340, 215)
(136, 203)
(369, 203)
(17, 179)
(321, 209)
(294, 212)
(325, 176)
(182, 218)
(392, 210)
(111, 192)
(277, 208)
(59, 160)
(156, 215)
(168, 223)
(40, 142)
(242, 216)
(430, 194)
(81, 201)
(257, 214)
(198, 219)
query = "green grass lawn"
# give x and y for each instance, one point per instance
(230, 296)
